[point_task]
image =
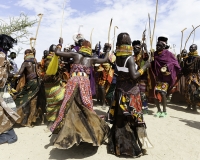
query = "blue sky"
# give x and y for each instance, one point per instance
(129, 15)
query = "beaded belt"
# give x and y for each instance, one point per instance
(79, 74)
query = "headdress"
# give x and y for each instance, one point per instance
(86, 48)
(123, 45)
(77, 37)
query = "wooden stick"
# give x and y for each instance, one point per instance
(194, 34)
(109, 30)
(154, 23)
(190, 35)
(65, 1)
(182, 39)
(91, 37)
(31, 43)
(150, 31)
(40, 15)
(79, 28)
(114, 38)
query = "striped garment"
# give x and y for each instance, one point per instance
(54, 94)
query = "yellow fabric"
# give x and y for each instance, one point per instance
(162, 86)
(124, 50)
(112, 57)
(195, 53)
(53, 66)
(85, 49)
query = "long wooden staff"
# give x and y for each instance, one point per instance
(154, 23)
(31, 43)
(182, 39)
(194, 35)
(91, 37)
(40, 15)
(62, 17)
(114, 38)
(150, 31)
(109, 31)
(190, 35)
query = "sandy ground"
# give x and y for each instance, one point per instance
(176, 137)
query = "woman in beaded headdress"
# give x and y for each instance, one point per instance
(125, 113)
(77, 121)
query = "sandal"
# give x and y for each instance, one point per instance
(157, 114)
(163, 114)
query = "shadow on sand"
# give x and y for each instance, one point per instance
(190, 123)
(180, 107)
(76, 152)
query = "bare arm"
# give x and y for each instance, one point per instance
(23, 66)
(65, 54)
(99, 60)
(131, 66)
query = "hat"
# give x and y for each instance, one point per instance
(67, 46)
(136, 42)
(163, 38)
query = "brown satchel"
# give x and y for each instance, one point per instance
(3, 70)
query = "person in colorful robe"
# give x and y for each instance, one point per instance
(141, 55)
(54, 88)
(191, 71)
(127, 132)
(165, 68)
(8, 115)
(27, 100)
(77, 121)
(105, 76)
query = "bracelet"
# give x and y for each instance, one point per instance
(141, 71)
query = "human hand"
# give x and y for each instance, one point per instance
(107, 47)
(147, 64)
(144, 45)
(61, 40)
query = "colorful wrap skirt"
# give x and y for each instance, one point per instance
(192, 89)
(127, 119)
(76, 121)
(26, 102)
(54, 94)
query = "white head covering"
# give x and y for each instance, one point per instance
(78, 36)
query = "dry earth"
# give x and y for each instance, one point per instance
(176, 137)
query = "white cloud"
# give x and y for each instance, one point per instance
(4, 6)
(129, 15)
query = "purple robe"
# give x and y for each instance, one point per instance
(165, 58)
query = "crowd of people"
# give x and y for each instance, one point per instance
(60, 90)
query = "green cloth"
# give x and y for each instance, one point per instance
(28, 92)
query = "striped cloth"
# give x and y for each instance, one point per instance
(7, 98)
(54, 94)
